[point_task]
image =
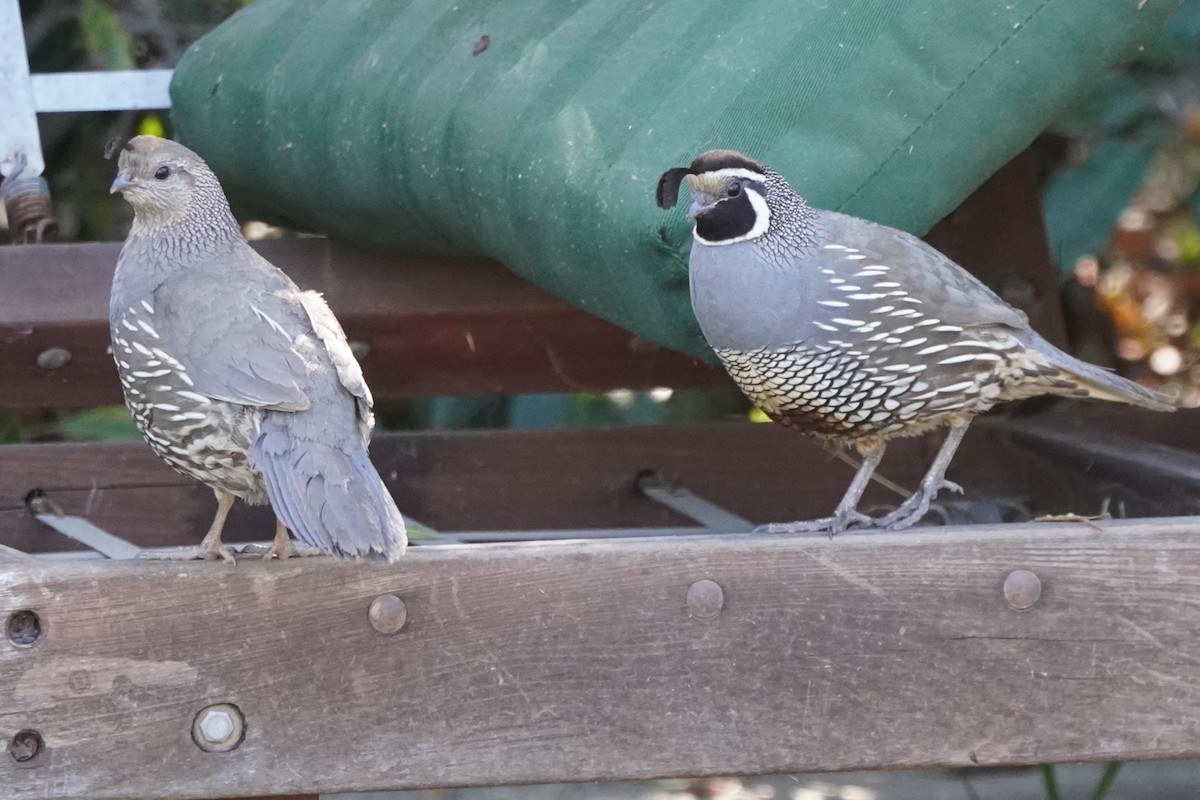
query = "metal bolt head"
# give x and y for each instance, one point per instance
(387, 613)
(705, 599)
(360, 349)
(218, 728)
(1022, 589)
(25, 746)
(23, 628)
(54, 358)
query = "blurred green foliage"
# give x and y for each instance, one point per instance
(1119, 127)
(104, 38)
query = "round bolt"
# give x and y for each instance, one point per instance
(1022, 589)
(24, 628)
(387, 613)
(54, 358)
(218, 728)
(360, 349)
(705, 599)
(25, 746)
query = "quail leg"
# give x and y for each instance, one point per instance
(282, 547)
(846, 513)
(915, 507)
(210, 548)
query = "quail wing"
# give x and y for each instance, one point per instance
(235, 345)
(921, 272)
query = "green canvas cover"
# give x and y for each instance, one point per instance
(533, 131)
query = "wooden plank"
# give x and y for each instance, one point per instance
(585, 477)
(432, 326)
(587, 661)
(470, 480)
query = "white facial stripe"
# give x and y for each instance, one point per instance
(740, 172)
(762, 219)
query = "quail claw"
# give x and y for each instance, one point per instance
(833, 525)
(196, 553)
(282, 552)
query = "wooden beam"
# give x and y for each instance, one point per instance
(603, 660)
(469, 480)
(586, 477)
(431, 326)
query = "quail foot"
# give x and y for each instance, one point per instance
(857, 332)
(235, 376)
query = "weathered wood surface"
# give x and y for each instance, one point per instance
(586, 477)
(479, 480)
(585, 660)
(433, 326)
(462, 326)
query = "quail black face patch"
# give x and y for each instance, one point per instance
(730, 219)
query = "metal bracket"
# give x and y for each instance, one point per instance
(691, 505)
(47, 512)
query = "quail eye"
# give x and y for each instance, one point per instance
(163, 172)
(735, 188)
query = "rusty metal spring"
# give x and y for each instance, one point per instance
(30, 209)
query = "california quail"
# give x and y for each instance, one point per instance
(236, 377)
(858, 332)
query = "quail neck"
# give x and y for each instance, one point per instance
(181, 216)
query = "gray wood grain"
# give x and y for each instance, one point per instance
(580, 661)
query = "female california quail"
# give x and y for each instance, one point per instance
(235, 376)
(858, 332)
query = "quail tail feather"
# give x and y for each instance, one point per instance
(1101, 384)
(329, 496)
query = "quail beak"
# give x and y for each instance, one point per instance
(119, 184)
(701, 200)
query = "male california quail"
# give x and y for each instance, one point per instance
(236, 377)
(858, 332)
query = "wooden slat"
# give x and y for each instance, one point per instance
(581, 661)
(433, 326)
(585, 477)
(489, 480)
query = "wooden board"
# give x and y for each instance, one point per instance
(470, 480)
(585, 660)
(586, 477)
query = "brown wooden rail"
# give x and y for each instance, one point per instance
(618, 659)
